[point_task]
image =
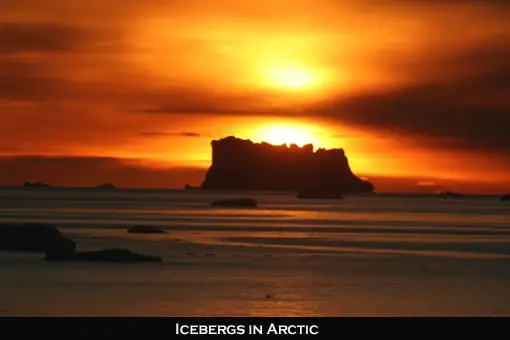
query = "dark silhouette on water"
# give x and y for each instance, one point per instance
(145, 229)
(107, 186)
(450, 194)
(30, 237)
(237, 202)
(47, 239)
(506, 197)
(239, 164)
(36, 185)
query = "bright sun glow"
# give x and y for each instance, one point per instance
(286, 134)
(291, 77)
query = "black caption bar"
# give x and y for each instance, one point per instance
(145, 328)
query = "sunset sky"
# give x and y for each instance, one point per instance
(133, 92)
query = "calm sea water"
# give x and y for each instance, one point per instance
(80, 208)
(382, 254)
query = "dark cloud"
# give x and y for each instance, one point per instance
(42, 78)
(157, 134)
(92, 171)
(192, 100)
(38, 60)
(222, 109)
(467, 109)
(39, 37)
(190, 134)
(426, 111)
(31, 88)
(38, 80)
(45, 79)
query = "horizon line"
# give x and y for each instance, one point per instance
(199, 189)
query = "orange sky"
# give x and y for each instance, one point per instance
(414, 88)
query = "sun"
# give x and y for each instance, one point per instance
(290, 77)
(286, 134)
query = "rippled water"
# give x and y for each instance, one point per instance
(364, 255)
